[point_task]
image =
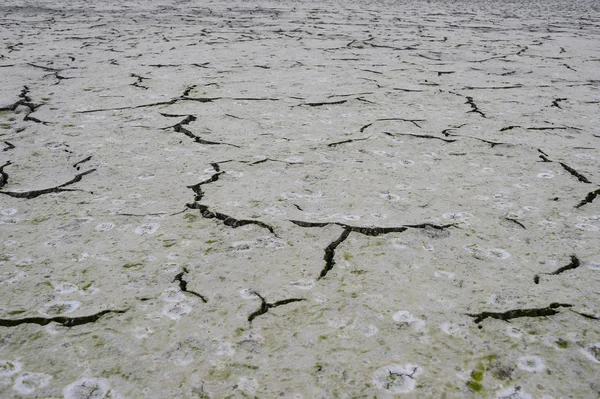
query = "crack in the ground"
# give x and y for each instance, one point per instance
(407, 90)
(587, 316)
(65, 321)
(474, 107)
(45, 68)
(178, 127)
(517, 222)
(176, 100)
(518, 86)
(446, 132)
(516, 313)
(509, 128)
(270, 160)
(566, 167)
(36, 120)
(142, 214)
(350, 95)
(395, 375)
(320, 104)
(574, 264)
(59, 77)
(56, 189)
(188, 90)
(188, 119)
(197, 187)
(76, 165)
(183, 285)
(589, 198)
(3, 174)
(491, 143)
(413, 121)
(346, 141)
(172, 116)
(139, 81)
(9, 146)
(25, 101)
(572, 171)
(423, 136)
(556, 104)
(265, 306)
(373, 231)
(329, 256)
(551, 128)
(226, 219)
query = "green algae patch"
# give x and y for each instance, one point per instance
(134, 266)
(475, 386)
(169, 243)
(477, 375)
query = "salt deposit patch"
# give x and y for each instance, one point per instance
(396, 378)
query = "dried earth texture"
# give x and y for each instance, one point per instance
(299, 199)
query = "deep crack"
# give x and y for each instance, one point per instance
(3, 174)
(516, 313)
(226, 219)
(575, 173)
(183, 285)
(65, 321)
(589, 198)
(573, 265)
(56, 189)
(329, 257)
(374, 231)
(197, 187)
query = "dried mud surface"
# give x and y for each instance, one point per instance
(299, 200)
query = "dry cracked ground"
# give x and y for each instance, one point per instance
(299, 199)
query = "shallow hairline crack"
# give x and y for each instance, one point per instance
(413, 121)
(574, 264)
(176, 100)
(265, 306)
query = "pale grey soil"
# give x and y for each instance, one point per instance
(469, 128)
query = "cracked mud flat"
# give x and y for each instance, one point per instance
(303, 200)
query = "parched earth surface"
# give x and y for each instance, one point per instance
(299, 199)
